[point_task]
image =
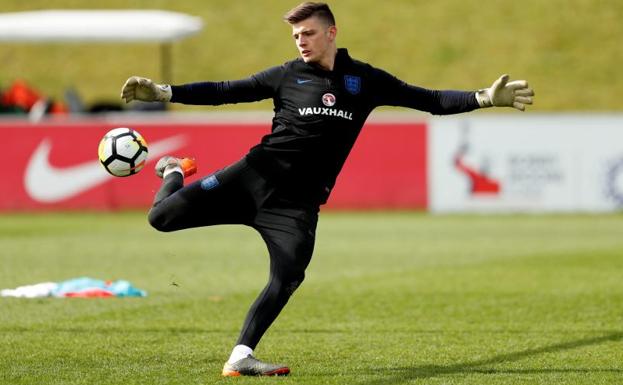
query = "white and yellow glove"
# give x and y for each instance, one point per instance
(138, 88)
(503, 93)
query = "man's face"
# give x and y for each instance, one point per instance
(313, 39)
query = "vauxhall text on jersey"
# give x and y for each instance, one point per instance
(318, 115)
(326, 111)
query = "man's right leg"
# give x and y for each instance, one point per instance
(220, 198)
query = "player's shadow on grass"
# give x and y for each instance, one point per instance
(400, 375)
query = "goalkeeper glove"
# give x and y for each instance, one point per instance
(138, 88)
(503, 93)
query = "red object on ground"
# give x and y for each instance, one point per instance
(21, 95)
(91, 293)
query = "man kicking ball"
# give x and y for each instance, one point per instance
(321, 101)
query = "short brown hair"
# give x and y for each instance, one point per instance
(308, 9)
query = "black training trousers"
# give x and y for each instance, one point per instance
(239, 195)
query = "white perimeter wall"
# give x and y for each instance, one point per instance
(541, 163)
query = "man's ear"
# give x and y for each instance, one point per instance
(332, 32)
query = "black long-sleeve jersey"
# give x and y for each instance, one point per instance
(318, 116)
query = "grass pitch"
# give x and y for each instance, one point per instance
(390, 298)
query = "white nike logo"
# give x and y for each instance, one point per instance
(48, 184)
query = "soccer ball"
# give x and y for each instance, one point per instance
(122, 151)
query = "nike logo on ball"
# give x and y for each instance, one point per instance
(48, 184)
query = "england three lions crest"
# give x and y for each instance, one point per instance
(352, 84)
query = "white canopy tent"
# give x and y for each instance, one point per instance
(86, 26)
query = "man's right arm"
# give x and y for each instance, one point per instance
(260, 86)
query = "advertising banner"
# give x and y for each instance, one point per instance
(54, 165)
(551, 163)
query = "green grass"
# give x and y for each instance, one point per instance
(390, 298)
(570, 50)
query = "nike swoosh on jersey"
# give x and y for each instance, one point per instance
(48, 184)
(303, 81)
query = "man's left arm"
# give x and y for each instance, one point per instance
(394, 92)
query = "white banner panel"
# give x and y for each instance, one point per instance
(534, 163)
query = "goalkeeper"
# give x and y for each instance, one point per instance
(321, 101)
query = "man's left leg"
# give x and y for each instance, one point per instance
(289, 233)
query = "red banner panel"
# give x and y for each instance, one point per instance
(54, 165)
(387, 168)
